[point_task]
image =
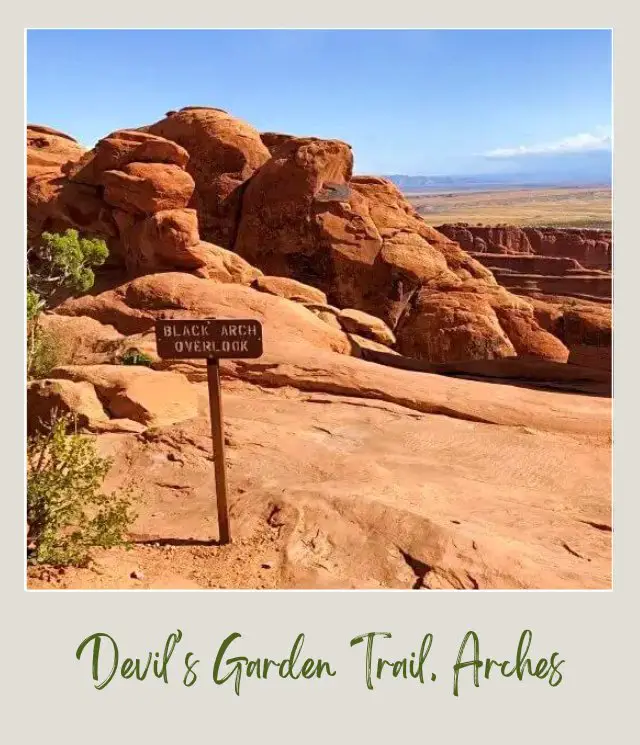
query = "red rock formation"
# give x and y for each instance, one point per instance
(530, 263)
(223, 153)
(54, 203)
(119, 149)
(145, 188)
(273, 140)
(359, 241)
(133, 307)
(584, 327)
(565, 273)
(132, 189)
(569, 285)
(474, 323)
(356, 239)
(48, 150)
(296, 213)
(592, 248)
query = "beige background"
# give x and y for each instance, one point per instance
(49, 695)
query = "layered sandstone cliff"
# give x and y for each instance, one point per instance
(591, 248)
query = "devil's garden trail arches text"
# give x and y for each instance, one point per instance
(229, 667)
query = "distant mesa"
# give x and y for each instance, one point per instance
(587, 176)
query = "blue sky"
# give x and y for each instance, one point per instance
(415, 102)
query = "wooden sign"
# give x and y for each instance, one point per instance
(213, 339)
(207, 337)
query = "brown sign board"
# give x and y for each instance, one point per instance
(212, 338)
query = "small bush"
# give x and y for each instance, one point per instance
(67, 513)
(63, 261)
(43, 352)
(59, 262)
(133, 356)
(35, 304)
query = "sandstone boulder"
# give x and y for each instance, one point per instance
(132, 189)
(121, 148)
(587, 331)
(161, 241)
(361, 346)
(223, 153)
(146, 396)
(278, 230)
(168, 240)
(133, 307)
(529, 339)
(273, 140)
(359, 241)
(588, 324)
(356, 239)
(448, 327)
(364, 324)
(222, 265)
(471, 323)
(78, 399)
(48, 150)
(79, 340)
(327, 313)
(290, 289)
(55, 204)
(146, 188)
(584, 327)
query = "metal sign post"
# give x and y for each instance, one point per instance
(213, 339)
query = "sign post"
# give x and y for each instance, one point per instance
(213, 339)
(217, 438)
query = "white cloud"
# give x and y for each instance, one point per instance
(575, 144)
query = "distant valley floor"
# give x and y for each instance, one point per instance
(579, 207)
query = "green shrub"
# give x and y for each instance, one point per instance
(44, 352)
(67, 513)
(35, 304)
(133, 356)
(58, 262)
(62, 261)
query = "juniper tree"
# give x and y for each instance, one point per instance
(58, 262)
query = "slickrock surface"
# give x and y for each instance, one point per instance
(343, 491)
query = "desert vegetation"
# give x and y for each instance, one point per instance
(68, 515)
(56, 264)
